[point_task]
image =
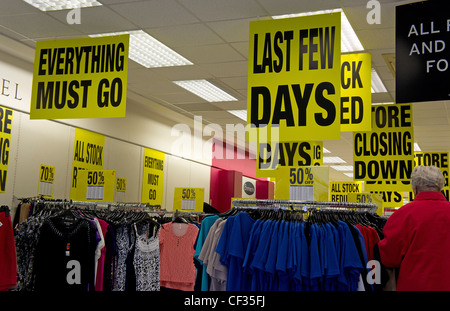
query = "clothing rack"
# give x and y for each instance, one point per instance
(304, 205)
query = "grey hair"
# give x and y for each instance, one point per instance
(427, 178)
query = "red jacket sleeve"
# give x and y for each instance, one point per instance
(395, 243)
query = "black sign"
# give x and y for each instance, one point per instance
(422, 52)
(249, 188)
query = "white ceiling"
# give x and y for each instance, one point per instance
(213, 34)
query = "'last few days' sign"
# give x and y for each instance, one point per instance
(294, 77)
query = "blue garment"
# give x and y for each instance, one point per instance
(315, 273)
(292, 261)
(305, 257)
(283, 254)
(269, 267)
(297, 240)
(237, 278)
(260, 257)
(332, 266)
(206, 224)
(253, 242)
(350, 263)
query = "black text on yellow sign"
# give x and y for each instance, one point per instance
(153, 177)
(46, 181)
(438, 159)
(80, 78)
(6, 116)
(274, 155)
(47, 173)
(390, 198)
(387, 152)
(88, 154)
(121, 184)
(356, 92)
(188, 199)
(294, 77)
(339, 190)
(96, 185)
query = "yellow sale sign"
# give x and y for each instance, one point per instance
(288, 154)
(356, 92)
(6, 117)
(306, 183)
(387, 152)
(153, 177)
(88, 154)
(188, 199)
(294, 77)
(97, 185)
(80, 78)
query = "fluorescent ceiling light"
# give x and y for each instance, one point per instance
(333, 160)
(377, 84)
(241, 114)
(54, 5)
(349, 175)
(417, 148)
(149, 52)
(325, 150)
(342, 168)
(205, 90)
(349, 39)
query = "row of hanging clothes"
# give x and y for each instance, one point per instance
(270, 245)
(89, 246)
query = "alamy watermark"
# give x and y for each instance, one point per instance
(198, 143)
(74, 16)
(374, 15)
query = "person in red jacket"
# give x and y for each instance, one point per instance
(417, 236)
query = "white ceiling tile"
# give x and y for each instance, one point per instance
(217, 10)
(234, 30)
(217, 53)
(186, 35)
(155, 13)
(289, 7)
(226, 69)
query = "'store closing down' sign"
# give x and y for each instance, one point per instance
(80, 78)
(294, 77)
(387, 152)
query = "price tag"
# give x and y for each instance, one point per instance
(189, 199)
(98, 185)
(95, 185)
(121, 189)
(46, 181)
(302, 183)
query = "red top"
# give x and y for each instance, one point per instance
(417, 239)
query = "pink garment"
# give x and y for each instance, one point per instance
(176, 249)
(101, 260)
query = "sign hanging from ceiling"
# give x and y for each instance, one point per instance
(387, 152)
(80, 78)
(288, 154)
(422, 58)
(356, 92)
(294, 77)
